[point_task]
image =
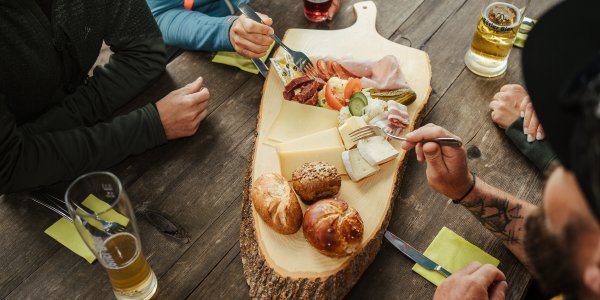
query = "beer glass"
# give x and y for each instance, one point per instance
(493, 39)
(105, 219)
(317, 10)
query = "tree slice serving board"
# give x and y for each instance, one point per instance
(286, 266)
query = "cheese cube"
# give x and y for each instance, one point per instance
(291, 160)
(376, 150)
(356, 166)
(353, 123)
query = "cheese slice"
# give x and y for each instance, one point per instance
(296, 120)
(376, 150)
(353, 123)
(291, 160)
(356, 166)
(323, 139)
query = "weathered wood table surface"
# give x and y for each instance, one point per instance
(197, 182)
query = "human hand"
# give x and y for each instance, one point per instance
(249, 38)
(447, 170)
(182, 110)
(531, 124)
(473, 282)
(335, 6)
(506, 104)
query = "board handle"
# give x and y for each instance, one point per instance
(366, 14)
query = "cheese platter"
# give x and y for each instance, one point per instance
(305, 168)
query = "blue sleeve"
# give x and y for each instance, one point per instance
(193, 30)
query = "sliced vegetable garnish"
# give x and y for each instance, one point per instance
(333, 101)
(357, 104)
(353, 86)
(361, 96)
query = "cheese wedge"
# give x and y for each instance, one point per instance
(297, 120)
(376, 150)
(350, 125)
(356, 166)
(323, 139)
(291, 160)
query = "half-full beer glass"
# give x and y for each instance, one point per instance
(105, 220)
(493, 39)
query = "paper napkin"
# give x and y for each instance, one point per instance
(64, 232)
(452, 252)
(236, 60)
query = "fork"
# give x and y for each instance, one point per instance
(57, 207)
(300, 59)
(371, 131)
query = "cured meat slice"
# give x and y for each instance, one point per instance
(288, 92)
(384, 74)
(398, 114)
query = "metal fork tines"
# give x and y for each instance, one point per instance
(58, 204)
(371, 131)
(300, 59)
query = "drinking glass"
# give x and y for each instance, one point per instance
(316, 10)
(493, 39)
(104, 217)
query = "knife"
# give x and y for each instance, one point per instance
(414, 254)
(261, 66)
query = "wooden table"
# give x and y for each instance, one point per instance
(197, 182)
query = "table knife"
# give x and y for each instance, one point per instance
(261, 66)
(414, 254)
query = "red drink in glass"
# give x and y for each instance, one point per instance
(316, 10)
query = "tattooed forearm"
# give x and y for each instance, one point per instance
(500, 216)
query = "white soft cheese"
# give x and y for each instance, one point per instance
(376, 150)
(356, 166)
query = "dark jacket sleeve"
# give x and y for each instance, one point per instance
(538, 152)
(66, 141)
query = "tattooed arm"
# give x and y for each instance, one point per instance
(448, 173)
(502, 214)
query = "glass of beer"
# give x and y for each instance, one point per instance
(104, 217)
(496, 31)
(317, 10)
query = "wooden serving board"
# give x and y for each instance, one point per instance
(286, 266)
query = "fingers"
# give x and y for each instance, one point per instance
(532, 128)
(540, 133)
(265, 19)
(527, 118)
(191, 87)
(199, 97)
(419, 152)
(488, 274)
(250, 49)
(433, 155)
(335, 6)
(251, 26)
(511, 87)
(498, 291)
(524, 103)
(469, 269)
(429, 131)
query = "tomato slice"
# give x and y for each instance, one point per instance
(353, 86)
(331, 99)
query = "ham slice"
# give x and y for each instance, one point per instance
(384, 74)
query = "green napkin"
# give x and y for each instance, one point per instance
(236, 60)
(453, 253)
(64, 232)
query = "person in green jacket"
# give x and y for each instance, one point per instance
(56, 122)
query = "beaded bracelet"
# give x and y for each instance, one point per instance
(457, 201)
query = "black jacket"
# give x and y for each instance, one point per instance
(54, 120)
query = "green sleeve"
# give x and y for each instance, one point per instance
(538, 152)
(68, 140)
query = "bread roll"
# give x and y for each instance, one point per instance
(316, 180)
(276, 203)
(333, 227)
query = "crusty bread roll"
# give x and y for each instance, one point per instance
(333, 227)
(316, 180)
(276, 203)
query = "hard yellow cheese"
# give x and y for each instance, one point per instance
(350, 125)
(297, 120)
(325, 146)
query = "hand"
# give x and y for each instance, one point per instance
(335, 6)
(474, 282)
(531, 125)
(182, 110)
(447, 170)
(249, 38)
(506, 104)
